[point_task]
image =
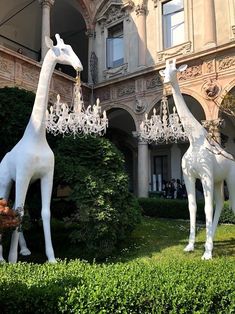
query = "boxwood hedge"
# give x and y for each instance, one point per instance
(178, 209)
(135, 287)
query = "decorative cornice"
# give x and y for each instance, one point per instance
(112, 14)
(180, 49)
(110, 73)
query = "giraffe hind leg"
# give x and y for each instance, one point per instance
(190, 186)
(5, 188)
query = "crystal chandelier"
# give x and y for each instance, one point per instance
(75, 119)
(163, 127)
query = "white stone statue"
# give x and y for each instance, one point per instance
(32, 158)
(204, 160)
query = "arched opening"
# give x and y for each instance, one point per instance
(67, 20)
(121, 126)
(228, 130)
(21, 25)
(166, 158)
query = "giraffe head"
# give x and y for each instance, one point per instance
(63, 53)
(170, 72)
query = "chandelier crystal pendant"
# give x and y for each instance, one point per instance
(75, 119)
(164, 127)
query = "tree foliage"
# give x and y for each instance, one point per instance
(106, 211)
(15, 109)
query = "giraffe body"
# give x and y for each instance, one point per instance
(205, 161)
(32, 158)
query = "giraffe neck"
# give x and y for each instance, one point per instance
(196, 130)
(36, 125)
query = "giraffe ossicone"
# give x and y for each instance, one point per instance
(200, 162)
(32, 158)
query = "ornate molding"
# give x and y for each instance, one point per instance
(139, 105)
(113, 12)
(153, 82)
(29, 75)
(190, 72)
(141, 9)
(128, 5)
(180, 49)
(103, 94)
(110, 73)
(6, 66)
(126, 89)
(233, 31)
(94, 67)
(209, 66)
(210, 89)
(226, 63)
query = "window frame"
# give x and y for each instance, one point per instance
(110, 42)
(167, 40)
(187, 45)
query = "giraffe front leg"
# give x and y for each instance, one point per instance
(1, 250)
(46, 190)
(23, 246)
(21, 187)
(208, 189)
(192, 205)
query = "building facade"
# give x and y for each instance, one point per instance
(123, 44)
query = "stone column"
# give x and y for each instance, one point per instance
(143, 178)
(209, 23)
(141, 19)
(46, 7)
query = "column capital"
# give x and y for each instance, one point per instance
(48, 3)
(90, 32)
(141, 9)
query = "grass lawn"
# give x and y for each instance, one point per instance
(161, 239)
(150, 274)
(155, 239)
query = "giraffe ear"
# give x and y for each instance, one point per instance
(182, 68)
(49, 42)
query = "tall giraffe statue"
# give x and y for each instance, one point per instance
(31, 158)
(204, 160)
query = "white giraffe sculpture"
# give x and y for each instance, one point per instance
(31, 158)
(203, 160)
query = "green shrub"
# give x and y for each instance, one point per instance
(136, 287)
(15, 109)
(106, 212)
(178, 209)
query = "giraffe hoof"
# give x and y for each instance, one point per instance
(25, 252)
(52, 260)
(189, 248)
(206, 256)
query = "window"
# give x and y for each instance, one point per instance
(173, 23)
(114, 46)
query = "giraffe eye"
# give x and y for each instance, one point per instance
(65, 51)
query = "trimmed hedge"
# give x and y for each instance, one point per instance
(136, 287)
(178, 209)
